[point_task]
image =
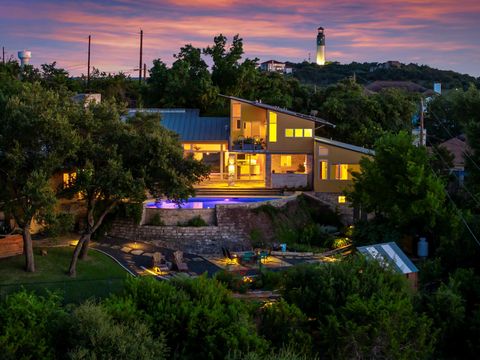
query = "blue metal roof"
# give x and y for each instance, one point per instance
(389, 254)
(190, 125)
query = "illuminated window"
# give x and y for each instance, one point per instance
(322, 151)
(69, 178)
(272, 130)
(239, 124)
(285, 160)
(298, 132)
(307, 132)
(342, 199)
(323, 170)
(341, 172)
(288, 132)
(237, 110)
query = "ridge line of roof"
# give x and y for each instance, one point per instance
(355, 148)
(279, 109)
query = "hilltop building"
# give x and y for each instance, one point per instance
(275, 66)
(321, 46)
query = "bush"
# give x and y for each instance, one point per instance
(95, 335)
(60, 224)
(283, 325)
(232, 281)
(256, 239)
(196, 221)
(200, 318)
(156, 220)
(30, 326)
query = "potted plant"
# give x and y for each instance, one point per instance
(259, 144)
(237, 145)
(248, 143)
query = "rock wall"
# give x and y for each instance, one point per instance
(171, 217)
(232, 229)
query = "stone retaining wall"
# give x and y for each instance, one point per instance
(232, 230)
(171, 217)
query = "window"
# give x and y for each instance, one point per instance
(272, 129)
(285, 160)
(239, 124)
(307, 132)
(322, 151)
(341, 172)
(342, 199)
(68, 179)
(289, 133)
(323, 170)
(298, 133)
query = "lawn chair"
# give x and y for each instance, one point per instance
(158, 262)
(263, 255)
(229, 258)
(247, 257)
(179, 262)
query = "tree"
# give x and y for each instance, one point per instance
(398, 185)
(157, 84)
(119, 160)
(35, 139)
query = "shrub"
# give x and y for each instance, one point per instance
(256, 239)
(232, 281)
(95, 335)
(283, 324)
(156, 220)
(30, 326)
(60, 224)
(196, 221)
(200, 318)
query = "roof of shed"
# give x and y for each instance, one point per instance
(190, 125)
(389, 254)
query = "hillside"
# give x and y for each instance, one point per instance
(366, 73)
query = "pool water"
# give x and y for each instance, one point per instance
(205, 202)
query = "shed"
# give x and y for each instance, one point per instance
(389, 254)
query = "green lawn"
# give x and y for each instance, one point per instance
(97, 276)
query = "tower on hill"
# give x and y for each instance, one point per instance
(320, 46)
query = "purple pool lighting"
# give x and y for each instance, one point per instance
(205, 202)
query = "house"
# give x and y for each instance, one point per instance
(390, 255)
(275, 66)
(457, 146)
(264, 146)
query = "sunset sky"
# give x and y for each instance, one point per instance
(443, 33)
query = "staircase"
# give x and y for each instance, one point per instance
(238, 192)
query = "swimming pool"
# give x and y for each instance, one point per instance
(205, 202)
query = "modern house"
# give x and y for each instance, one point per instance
(458, 147)
(264, 146)
(275, 66)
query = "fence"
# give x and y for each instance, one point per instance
(73, 291)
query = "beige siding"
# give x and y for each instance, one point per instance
(291, 145)
(336, 155)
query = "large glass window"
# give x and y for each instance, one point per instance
(344, 171)
(285, 160)
(323, 170)
(272, 130)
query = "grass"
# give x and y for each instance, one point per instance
(97, 276)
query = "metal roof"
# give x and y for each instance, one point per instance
(190, 125)
(389, 254)
(345, 145)
(279, 110)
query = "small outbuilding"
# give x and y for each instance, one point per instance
(389, 254)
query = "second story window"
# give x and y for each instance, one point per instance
(272, 128)
(237, 115)
(69, 179)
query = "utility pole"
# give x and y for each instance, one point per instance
(88, 64)
(422, 128)
(144, 72)
(3, 54)
(141, 62)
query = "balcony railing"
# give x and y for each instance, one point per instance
(249, 144)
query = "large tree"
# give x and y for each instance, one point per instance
(399, 185)
(120, 160)
(35, 138)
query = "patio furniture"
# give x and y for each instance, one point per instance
(158, 262)
(229, 258)
(247, 257)
(263, 255)
(179, 261)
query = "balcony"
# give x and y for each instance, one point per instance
(248, 144)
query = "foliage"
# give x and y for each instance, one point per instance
(283, 325)
(199, 317)
(95, 334)
(232, 281)
(156, 220)
(399, 186)
(59, 224)
(30, 326)
(196, 221)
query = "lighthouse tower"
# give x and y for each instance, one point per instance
(320, 47)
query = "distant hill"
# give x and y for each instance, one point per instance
(366, 73)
